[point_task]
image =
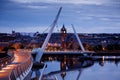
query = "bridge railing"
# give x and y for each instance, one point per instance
(5, 61)
(62, 50)
(22, 70)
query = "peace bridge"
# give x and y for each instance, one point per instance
(20, 63)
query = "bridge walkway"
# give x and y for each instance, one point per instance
(19, 68)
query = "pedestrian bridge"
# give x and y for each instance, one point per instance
(20, 68)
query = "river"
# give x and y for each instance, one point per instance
(80, 69)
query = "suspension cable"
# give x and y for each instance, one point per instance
(57, 27)
(46, 29)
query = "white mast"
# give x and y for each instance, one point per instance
(79, 41)
(41, 50)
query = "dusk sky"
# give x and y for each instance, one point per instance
(87, 16)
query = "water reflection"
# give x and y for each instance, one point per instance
(63, 68)
(71, 68)
(107, 59)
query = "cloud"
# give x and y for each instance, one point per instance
(82, 13)
(117, 25)
(101, 16)
(95, 2)
(104, 18)
(88, 18)
(36, 7)
(102, 29)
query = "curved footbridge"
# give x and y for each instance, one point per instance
(20, 68)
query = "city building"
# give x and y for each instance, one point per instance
(63, 37)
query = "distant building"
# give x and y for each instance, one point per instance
(63, 37)
(4, 37)
(3, 45)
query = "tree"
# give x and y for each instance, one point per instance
(109, 47)
(97, 48)
(116, 46)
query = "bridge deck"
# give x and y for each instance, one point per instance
(81, 52)
(70, 53)
(67, 52)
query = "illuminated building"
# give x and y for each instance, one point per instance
(63, 37)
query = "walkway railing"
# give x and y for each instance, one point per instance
(5, 61)
(22, 69)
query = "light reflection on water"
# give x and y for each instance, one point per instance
(83, 69)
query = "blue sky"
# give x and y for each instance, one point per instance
(87, 16)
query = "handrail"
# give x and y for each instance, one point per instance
(22, 69)
(5, 61)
